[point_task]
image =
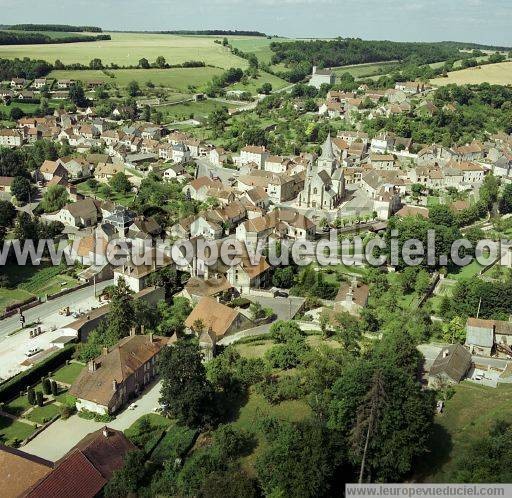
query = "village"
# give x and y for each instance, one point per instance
(88, 362)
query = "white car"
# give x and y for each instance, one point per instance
(132, 406)
(33, 351)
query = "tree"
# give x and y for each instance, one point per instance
(265, 89)
(77, 95)
(16, 113)
(7, 213)
(133, 89)
(31, 396)
(121, 313)
(161, 62)
(129, 477)
(21, 188)
(283, 331)
(54, 198)
(489, 190)
(218, 119)
(39, 398)
(505, 202)
(298, 461)
(168, 278)
(283, 277)
(185, 389)
(144, 63)
(96, 64)
(422, 282)
(120, 183)
(46, 384)
(441, 215)
(54, 388)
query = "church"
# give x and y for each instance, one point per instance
(324, 186)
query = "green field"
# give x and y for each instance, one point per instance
(28, 281)
(179, 112)
(68, 373)
(468, 415)
(11, 430)
(43, 414)
(494, 74)
(364, 70)
(178, 78)
(254, 84)
(129, 48)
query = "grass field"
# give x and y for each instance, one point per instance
(123, 199)
(179, 112)
(255, 410)
(364, 70)
(495, 74)
(28, 281)
(254, 84)
(129, 48)
(43, 414)
(468, 415)
(10, 430)
(17, 406)
(259, 46)
(466, 272)
(178, 78)
(68, 373)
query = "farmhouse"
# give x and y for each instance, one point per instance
(450, 366)
(320, 77)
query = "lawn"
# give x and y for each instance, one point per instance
(179, 79)
(466, 272)
(495, 74)
(468, 415)
(155, 420)
(13, 430)
(27, 281)
(187, 110)
(123, 199)
(43, 414)
(129, 48)
(17, 406)
(68, 373)
(365, 70)
(176, 442)
(254, 84)
(255, 410)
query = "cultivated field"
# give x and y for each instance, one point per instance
(364, 70)
(495, 74)
(259, 46)
(129, 48)
(178, 78)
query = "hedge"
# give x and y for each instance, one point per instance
(12, 387)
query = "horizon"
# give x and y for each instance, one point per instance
(425, 21)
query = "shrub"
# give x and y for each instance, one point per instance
(54, 388)
(275, 390)
(47, 387)
(31, 396)
(66, 411)
(39, 398)
(175, 444)
(240, 302)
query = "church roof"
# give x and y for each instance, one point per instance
(327, 152)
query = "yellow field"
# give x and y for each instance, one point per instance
(128, 48)
(495, 74)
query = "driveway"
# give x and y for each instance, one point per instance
(54, 442)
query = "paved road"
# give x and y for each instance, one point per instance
(204, 167)
(284, 308)
(44, 310)
(54, 442)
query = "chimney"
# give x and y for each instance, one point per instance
(132, 331)
(446, 353)
(105, 432)
(349, 298)
(314, 69)
(92, 366)
(142, 329)
(114, 385)
(151, 339)
(104, 351)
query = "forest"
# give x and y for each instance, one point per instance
(55, 27)
(28, 38)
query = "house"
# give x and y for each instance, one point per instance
(120, 373)
(218, 318)
(18, 83)
(76, 167)
(471, 172)
(413, 211)
(197, 287)
(10, 138)
(382, 143)
(321, 77)
(83, 213)
(105, 171)
(203, 227)
(247, 275)
(480, 336)
(86, 468)
(253, 154)
(218, 156)
(64, 84)
(49, 169)
(180, 153)
(198, 189)
(411, 87)
(120, 218)
(352, 297)
(382, 161)
(450, 366)
(5, 183)
(20, 471)
(280, 187)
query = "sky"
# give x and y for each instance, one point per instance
(481, 21)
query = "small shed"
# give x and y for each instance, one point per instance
(480, 336)
(450, 366)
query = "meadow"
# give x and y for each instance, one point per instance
(179, 79)
(128, 48)
(495, 74)
(364, 70)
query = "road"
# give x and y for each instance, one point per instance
(284, 308)
(45, 310)
(54, 442)
(204, 167)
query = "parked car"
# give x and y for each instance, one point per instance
(33, 351)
